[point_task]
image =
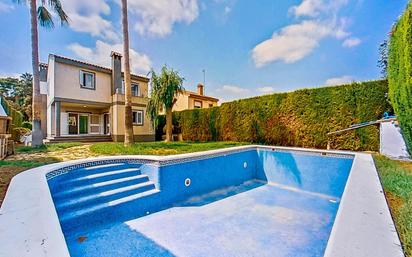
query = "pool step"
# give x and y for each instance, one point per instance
(84, 201)
(117, 210)
(99, 177)
(100, 186)
(99, 194)
(58, 182)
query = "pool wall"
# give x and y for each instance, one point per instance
(305, 171)
(29, 225)
(205, 175)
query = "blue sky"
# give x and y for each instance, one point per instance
(246, 47)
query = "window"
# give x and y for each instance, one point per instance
(210, 105)
(94, 124)
(198, 104)
(135, 90)
(138, 117)
(87, 80)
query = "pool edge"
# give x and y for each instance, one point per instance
(363, 225)
(48, 239)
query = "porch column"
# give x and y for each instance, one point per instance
(57, 118)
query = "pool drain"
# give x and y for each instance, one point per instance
(245, 165)
(187, 182)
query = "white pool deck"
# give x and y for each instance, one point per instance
(29, 224)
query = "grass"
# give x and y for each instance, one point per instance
(30, 158)
(396, 178)
(27, 163)
(46, 148)
(158, 148)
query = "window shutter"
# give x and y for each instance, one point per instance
(139, 117)
(81, 79)
(134, 117)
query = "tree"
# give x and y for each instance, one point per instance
(165, 88)
(128, 115)
(8, 85)
(44, 17)
(383, 58)
(19, 93)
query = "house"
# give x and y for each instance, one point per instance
(86, 101)
(192, 100)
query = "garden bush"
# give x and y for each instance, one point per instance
(300, 118)
(400, 72)
(27, 124)
(17, 116)
(17, 133)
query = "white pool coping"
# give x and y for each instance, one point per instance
(29, 224)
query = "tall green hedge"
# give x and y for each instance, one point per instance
(300, 118)
(400, 72)
(17, 116)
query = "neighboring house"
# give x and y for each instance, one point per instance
(87, 100)
(191, 100)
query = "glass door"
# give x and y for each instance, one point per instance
(73, 122)
(83, 124)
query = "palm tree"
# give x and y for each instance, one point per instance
(45, 19)
(128, 119)
(163, 94)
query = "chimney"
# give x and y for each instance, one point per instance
(43, 72)
(200, 88)
(116, 72)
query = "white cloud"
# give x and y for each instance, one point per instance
(315, 8)
(339, 80)
(95, 25)
(227, 10)
(4, 74)
(89, 17)
(351, 42)
(6, 7)
(294, 42)
(265, 90)
(307, 8)
(101, 55)
(228, 93)
(158, 17)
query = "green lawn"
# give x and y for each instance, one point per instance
(158, 148)
(396, 178)
(46, 148)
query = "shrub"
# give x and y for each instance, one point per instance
(17, 133)
(300, 118)
(27, 124)
(400, 72)
(17, 116)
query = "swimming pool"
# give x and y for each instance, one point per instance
(260, 202)
(244, 201)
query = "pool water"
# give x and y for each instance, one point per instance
(248, 203)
